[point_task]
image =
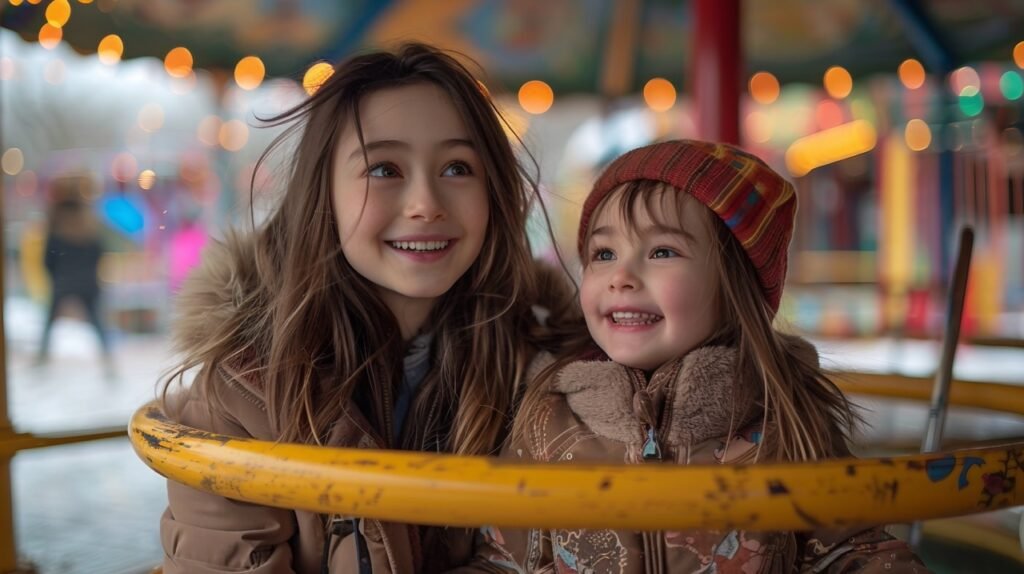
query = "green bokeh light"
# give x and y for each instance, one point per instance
(971, 102)
(1011, 85)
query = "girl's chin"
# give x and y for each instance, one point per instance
(632, 361)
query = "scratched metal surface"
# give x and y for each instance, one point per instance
(470, 491)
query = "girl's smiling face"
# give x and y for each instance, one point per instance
(413, 212)
(648, 287)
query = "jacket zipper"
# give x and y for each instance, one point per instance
(653, 542)
(651, 450)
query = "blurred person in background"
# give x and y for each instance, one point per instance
(72, 255)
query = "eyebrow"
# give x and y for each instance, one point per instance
(405, 146)
(653, 229)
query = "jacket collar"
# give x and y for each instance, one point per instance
(696, 397)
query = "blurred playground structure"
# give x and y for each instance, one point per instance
(889, 153)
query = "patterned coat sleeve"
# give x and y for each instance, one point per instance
(871, 551)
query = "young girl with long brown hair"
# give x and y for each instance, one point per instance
(683, 245)
(386, 303)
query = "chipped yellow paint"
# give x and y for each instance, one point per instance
(472, 491)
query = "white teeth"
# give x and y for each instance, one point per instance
(634, 318)
(419, 245)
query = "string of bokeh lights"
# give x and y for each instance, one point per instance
(841, 132)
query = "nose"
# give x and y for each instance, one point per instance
(423, 202)
(623, 278)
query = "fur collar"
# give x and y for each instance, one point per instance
(696, 395)
(215, 295)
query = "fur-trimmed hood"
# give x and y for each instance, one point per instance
(218, 293)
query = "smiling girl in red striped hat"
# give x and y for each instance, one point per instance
(683, 245)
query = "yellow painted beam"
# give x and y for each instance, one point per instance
(472, 491)
(11, 443)
(993, 396)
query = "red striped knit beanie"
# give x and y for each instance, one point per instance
(754, 201)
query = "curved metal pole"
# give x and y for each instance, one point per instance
(944, 375)
(472, 491)
(954, 316)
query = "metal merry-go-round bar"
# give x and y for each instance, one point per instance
(472, 491)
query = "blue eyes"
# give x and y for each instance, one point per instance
(454, 169)
(657, 253)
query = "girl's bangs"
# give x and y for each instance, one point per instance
(658, 201)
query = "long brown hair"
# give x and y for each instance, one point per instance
(803, 414)
(316, 333)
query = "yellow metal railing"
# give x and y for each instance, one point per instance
(471, 491)
(992, 396)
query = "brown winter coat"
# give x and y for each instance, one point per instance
(204, 533)
(596, 413)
